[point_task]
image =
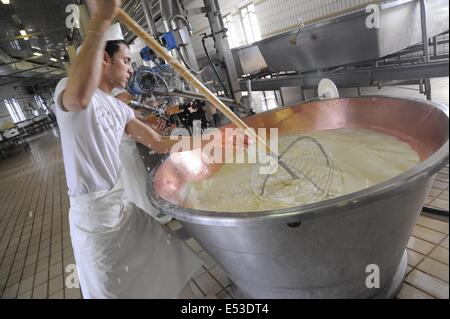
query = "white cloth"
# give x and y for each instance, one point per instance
(134, 176)
(117, 91)
(121, 252)
(90, 141)
(114, 33)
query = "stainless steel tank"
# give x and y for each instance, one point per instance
(326, 249)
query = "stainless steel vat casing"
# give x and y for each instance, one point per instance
(320, 250)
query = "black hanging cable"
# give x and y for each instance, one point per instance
(213, 66)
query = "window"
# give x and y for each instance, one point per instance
(15, 45)
(18, 110)
(270, 100)
(40, 102)
(250, 24)
(228, 21)
(263, 101)
(14, 110)
(12, 113)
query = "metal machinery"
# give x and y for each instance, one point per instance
(160, 91)
(404, 50)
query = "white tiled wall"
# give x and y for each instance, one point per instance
(277, 16)
(443, 48)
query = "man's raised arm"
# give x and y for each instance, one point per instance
(85, 72)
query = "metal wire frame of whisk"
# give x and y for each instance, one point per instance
(319, 177)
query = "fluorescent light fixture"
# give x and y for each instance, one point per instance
(23, 32)
(53, 59)
(5, 1)
(37, 54)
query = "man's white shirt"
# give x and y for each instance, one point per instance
(90, 141)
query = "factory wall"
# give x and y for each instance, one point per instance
(274, 16)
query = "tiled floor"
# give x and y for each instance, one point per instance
(36, 258)
(35, 243)
(427, 275)
(438, 196)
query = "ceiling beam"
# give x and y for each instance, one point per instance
(28, 78)
(34, 34)
(19, 61)
(27, 70)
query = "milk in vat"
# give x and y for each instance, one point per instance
(365, 158)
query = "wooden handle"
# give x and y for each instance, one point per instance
(124, 18)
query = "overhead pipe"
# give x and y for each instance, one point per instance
(166, 8)
(30, 35)
(20, 61)
(30, 77)
(193, 95)
(27, 70)
(149, 18)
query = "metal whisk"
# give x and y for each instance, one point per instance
(317, 175)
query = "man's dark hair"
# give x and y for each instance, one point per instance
(113, 46)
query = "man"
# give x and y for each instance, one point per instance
(120, 251)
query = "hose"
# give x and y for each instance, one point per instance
(164, 82)
(214, 67)
(183, 58)
(180, 17)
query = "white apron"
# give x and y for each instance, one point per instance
(134, 176)
(121, 252)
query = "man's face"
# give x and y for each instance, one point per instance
(118, 68)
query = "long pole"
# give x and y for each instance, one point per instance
(123, 17)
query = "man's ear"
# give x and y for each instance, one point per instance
(106, 58)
